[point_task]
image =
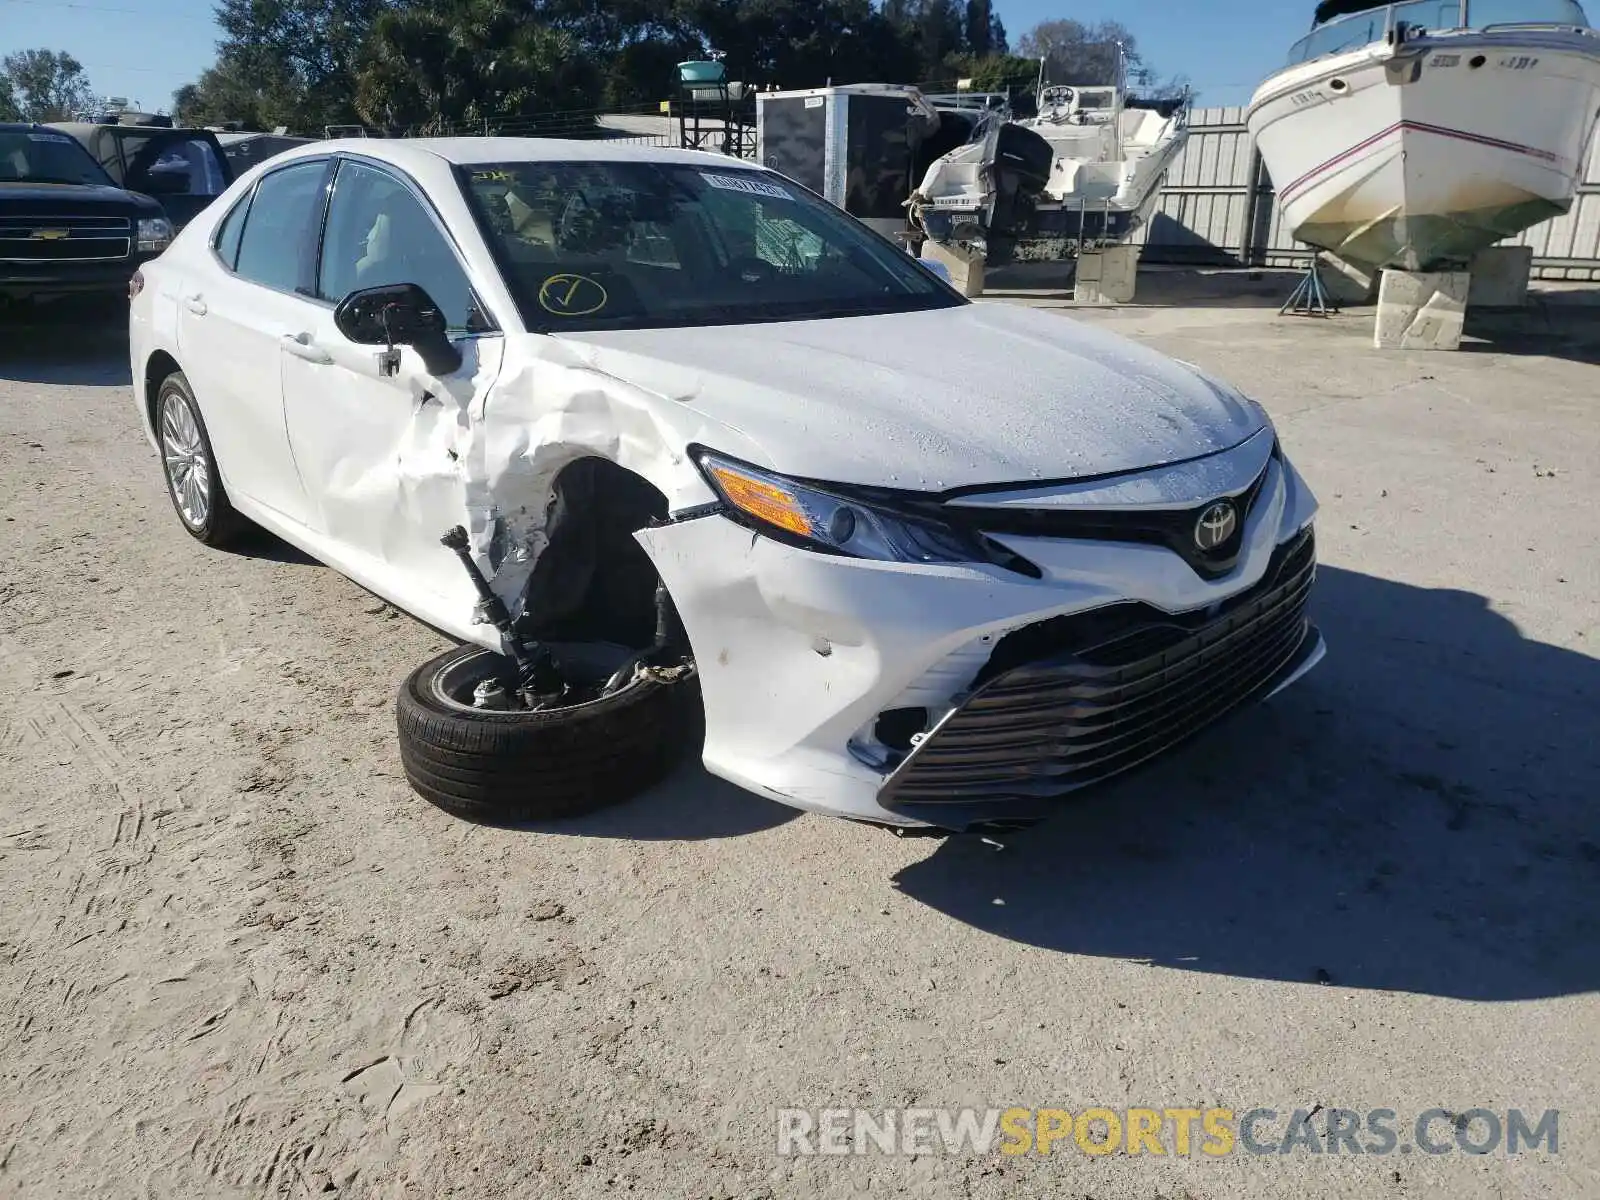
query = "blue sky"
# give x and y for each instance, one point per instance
(144, 49)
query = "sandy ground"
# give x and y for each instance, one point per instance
(238, 957)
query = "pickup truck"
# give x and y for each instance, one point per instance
(65, 227)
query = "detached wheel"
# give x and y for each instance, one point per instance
(498, 767)
(190, 466)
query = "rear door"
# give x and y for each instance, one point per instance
(235, 317)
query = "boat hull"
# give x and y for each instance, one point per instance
(1414, 158)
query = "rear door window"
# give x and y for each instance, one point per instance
(281, 228)
(230, 232)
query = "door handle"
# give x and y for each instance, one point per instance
(301, 346)
(195, 304)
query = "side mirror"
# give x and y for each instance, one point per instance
(399, 314)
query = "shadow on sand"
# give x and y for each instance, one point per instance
(1159, 286)
(76, 342)
(1418, 815)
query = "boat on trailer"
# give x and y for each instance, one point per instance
(1414, 135)
(1082, 174)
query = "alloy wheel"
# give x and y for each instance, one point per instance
(187, 465)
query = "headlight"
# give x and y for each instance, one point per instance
(839, 523)
(155, 235)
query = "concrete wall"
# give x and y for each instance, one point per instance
(1206, 214)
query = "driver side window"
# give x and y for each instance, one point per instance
(379, 233)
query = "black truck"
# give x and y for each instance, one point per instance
(65, 227)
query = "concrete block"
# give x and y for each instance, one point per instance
(1500, 277)
(966, 270)
(1421, 310)
(1108, 276)
(1347, 284)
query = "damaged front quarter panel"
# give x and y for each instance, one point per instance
(555, 404)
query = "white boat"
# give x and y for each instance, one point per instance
(1414, 135)
(1084, 173)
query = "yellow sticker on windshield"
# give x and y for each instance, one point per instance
(572, 296)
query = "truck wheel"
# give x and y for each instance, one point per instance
(508, 767)
(190, 466)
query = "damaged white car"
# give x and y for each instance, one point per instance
(658, 433)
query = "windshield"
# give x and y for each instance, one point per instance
(39, 156)
(634, 245)
(1365, 27)
(1483, 13)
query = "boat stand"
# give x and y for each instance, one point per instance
(1310, 298)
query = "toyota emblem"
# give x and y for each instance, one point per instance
(1215, 526)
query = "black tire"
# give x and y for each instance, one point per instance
(219, 524)
(501, 768)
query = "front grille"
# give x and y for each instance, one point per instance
(46, 238)
(1075, 718)
(1172, 528)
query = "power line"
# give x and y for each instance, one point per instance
(107, 8)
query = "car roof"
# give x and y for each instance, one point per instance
(466, 151)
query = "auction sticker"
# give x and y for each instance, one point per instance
(748, 185)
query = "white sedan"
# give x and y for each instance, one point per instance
(658, 433)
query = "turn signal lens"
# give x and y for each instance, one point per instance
(136, 284)
(762, 500)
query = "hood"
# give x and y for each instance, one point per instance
(74, 200)
(979, 394)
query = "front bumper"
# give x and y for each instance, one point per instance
(42, 280)
(1104, 702)
(801, 655)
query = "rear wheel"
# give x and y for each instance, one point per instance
(190, 465)
(502, 767)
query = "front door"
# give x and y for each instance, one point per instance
(379, 444)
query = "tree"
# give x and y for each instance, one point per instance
(186, 105)
(999, 43)
(287, 62)
(1001, 73)
(474, 64)
(245, 88)
(9, 111)
(1076, 53)
(645, 71)
(43, 85)
(941, 36)
(799, 43)
(980, 27)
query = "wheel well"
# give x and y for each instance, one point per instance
(594, 581)
(161, 365)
